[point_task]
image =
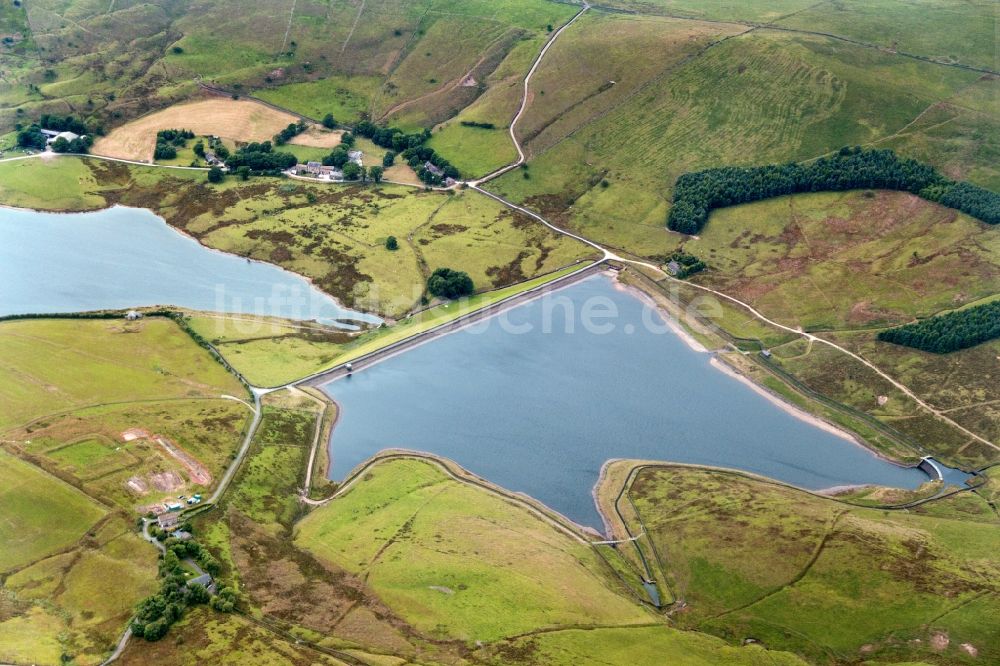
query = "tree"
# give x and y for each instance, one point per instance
(351, 171)
(388, 159)
(363, 174)
(31, 137)
(337, 158)
(391, 243)
(164, 151)
(347, 139)
(197, 594)
(328, 121)
(375, 173)
(243, 172)
(448, 283)
(215, 175)
(155, 630)
(199, 148)
(60, 145)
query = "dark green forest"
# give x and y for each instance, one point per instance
(697, 194)
(949, 332)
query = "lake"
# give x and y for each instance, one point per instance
(540, 411)
(128, 257)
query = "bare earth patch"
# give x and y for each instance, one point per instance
(238, 120)
(166, 482)
(318, 137)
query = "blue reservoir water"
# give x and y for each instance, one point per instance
(540, 411)
(129, 257)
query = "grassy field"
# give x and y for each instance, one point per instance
(49, 184)
(237, 120)
(714, 9)
(116, 62)
(271, 353)
(41, 514)
(346, 97)
(888, 578)
(931, 31)
(64, 605)
(52, 365)
(643, 646)
(961, 135)
(601, 51)
(459, 562)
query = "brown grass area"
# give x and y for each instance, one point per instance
(318, 137)
(400, 172)
(239, 120)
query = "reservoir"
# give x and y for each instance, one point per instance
(129, 257)
(536, 402)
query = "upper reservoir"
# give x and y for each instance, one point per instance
(129, 257)
(536, 402)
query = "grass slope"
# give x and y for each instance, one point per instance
(760, 97)
(41, 513)
(641, 646)
(752, 558)
(460, 562)
(51, 365)
(848, 260)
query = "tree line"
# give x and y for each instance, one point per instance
(32, 136)
(261, 159)
(289, 133)
(697, 194)
(412, 148)
(949, 332)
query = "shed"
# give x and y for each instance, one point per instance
(132, 315)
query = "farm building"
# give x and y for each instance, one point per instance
(355, 156)
(132, 315)
(52, 135)
(167, 521)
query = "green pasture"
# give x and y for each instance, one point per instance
(459, 562)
